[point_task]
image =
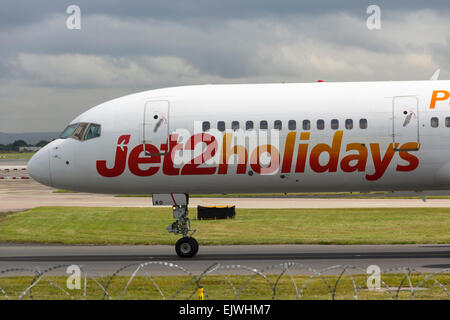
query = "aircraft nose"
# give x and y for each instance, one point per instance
(39, 167)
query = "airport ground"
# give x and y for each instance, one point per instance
(13, 198)
(219, 287)
(32, 239)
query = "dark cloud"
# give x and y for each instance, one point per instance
(129, 46)
(20, 12)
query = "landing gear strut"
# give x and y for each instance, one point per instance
(187, 246)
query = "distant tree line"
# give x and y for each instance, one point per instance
(14, 147)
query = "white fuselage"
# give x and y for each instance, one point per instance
(375, 136)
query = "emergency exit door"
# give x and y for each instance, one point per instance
(405, 122)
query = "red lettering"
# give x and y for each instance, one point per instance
(193, 166)
(302, 153)
(228, 151)
(380, 165)
(255, 163)
(120, 161)
(332, 150)
(360, 158)
(288, 152)
(413, 161)
(168, 166)
(135, 160)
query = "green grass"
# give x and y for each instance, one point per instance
(216, 287)
(16, 155)
(81, 225)
(64, 191)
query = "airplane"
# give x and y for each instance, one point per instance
(255, 138)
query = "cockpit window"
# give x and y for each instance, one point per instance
(92, 132)
(81, 131)
(68, 131)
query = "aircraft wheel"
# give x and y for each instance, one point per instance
(186, 247)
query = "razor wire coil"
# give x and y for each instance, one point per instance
(271, 275)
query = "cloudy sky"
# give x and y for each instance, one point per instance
(49, 74)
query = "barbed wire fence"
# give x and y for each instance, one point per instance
(408, 282)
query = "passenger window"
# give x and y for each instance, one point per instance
(306, 125)
(447, 122)
(320, 124)
(334, 124)
(263, 125)
(79, 131)
(206, 126)
(249, 125)
(434, 122)
(221, 126)
(235, 125)
(277, 125)
(292, 125)
(348, 124)
(363, 123)
(68, 131)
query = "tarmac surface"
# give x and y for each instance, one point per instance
(13, 162)
(19, 195)
(105, 260)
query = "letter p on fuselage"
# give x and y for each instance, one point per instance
(438, 95)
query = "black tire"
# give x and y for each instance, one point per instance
(186, 247)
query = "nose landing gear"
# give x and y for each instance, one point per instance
(187, 246)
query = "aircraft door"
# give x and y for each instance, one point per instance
(155, 129)
(405, 117)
